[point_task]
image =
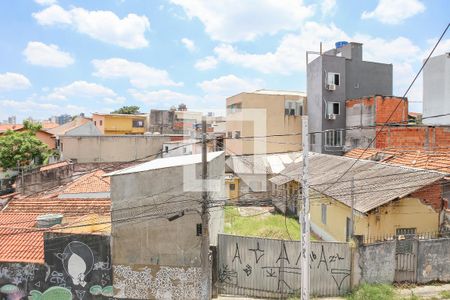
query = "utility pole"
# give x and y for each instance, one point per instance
(305, 217)
(352, 227)
(206, 270)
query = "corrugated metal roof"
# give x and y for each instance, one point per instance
(166, 162)
(261, 163)
(375, 183)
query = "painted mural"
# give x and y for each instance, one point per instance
(157, 282)
(77, 267)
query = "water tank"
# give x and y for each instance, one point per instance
(341, 44)
(49, 220)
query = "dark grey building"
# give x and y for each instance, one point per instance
(161, 121)
(333, 77)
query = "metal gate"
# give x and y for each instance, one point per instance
(406, 260)
(270, 268)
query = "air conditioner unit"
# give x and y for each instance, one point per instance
(331, 117)
(331, 87)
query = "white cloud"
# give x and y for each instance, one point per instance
(45, 2)
(53, 15)
(289, 56)
(13, 81)
(394, 11)
(37, 53)
(328, 7)
(163, 98)
(218, 89)
(206, 63)
(106, 26)
(139, 74)
(27, 105)
(189, 44)
(236, 20)
(86, 90)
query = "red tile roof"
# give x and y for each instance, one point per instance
(67, 207)
(5, 127)
(90, 183)
(17, 242)
(422, 159)
(54, 166)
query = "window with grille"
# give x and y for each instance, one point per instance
(293, 108)
(333, 138)
(137, 123)
(324, 213)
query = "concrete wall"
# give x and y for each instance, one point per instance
(436, 90)
(147, 235)
(377, 263)
(315, 102)
(85, 149)
(276, 123)
(433, 262)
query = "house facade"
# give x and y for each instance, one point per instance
(116, 124)
(387, 200)
(274, 114)
(156, 226)
(332, 78)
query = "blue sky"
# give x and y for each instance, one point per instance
(61, 56)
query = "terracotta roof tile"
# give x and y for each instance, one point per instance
(89, 183)
(17, 242)
(67, 207)
(5, 127)
(54, 166)
(422, 159)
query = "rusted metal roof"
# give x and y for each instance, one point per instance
(375, 183)
(262, 163)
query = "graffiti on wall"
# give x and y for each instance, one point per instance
(77, 267)
(275, 265)
(157, 282)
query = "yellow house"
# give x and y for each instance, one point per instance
(117, 124)
(232, 187)
(387, 200)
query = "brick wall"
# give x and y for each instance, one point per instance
(431, 194)
(385, 105)
(413, 137)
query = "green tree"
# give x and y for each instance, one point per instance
(22, 147)
(129, 110)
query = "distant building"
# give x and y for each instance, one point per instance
(161, 121)
(333, 77)
(12, 120)
(436, 90)
(61, 119)
(117, 124)
(275, 116)
(186, 122)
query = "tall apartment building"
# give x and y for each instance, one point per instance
(264, 122)
(436, 90)
(332, 78)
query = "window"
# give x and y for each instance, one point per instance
(166, 149)
(348, 230)
(184, 150)
(355, 142)
(232, 186)
(405, 231)
(95, 123)
(334, 108)
(312, 139)
(333, 138)
(138, 123)
(234, 107)
(237, 134)
(293, 108)
(230, 134)
(334, 78)
(324, 213)
(101, 122)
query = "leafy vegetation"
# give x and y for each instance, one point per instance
(22, 147)
(128, 110)
(445, 294)
(373, 292)
(266, 225)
